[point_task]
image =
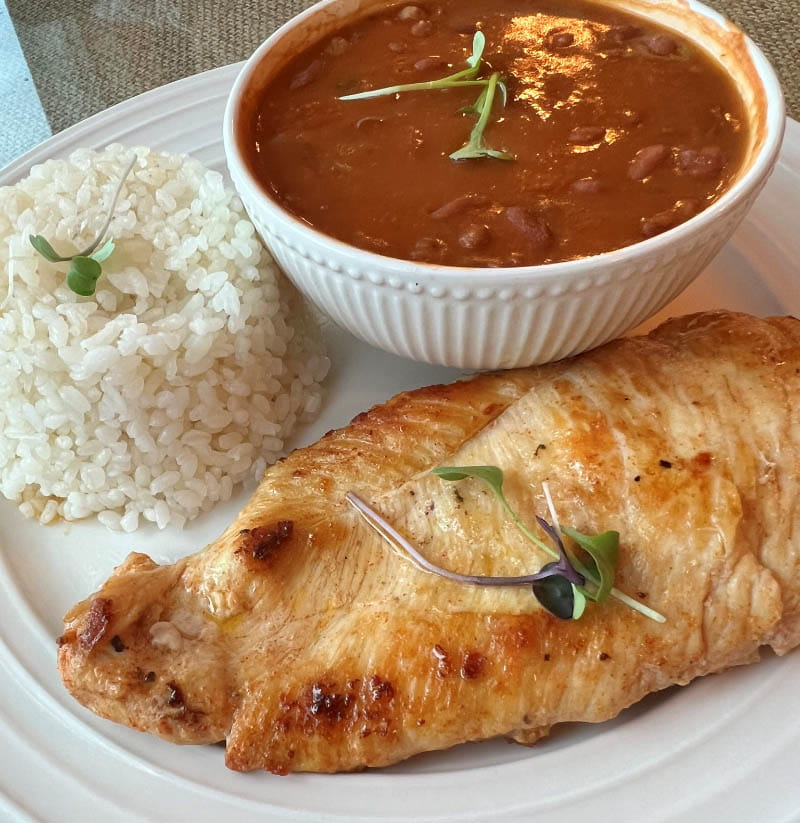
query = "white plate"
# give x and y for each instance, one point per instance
(727, 747)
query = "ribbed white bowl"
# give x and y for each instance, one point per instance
(502, 318)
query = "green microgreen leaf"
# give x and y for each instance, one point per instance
(482, 107)
(475, 148)
(603, 550)
(579, 602)
(82, 275)
(478, 46)
(45, 249)
(85, 268)
(491, 475)
(104, 252)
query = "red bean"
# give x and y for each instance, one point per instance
(531, 225)
(397, 48)
(559, 39)
(410, 13)
(586, 135)
(337, 46)
(619, 34)
(460, 205)
(307, 75)
(669, 218)
(707, 162)
(474, 236)
(661, 45)
(587, 185)
(422, 28)
(428, 248)
(428, 63)
(647, 160)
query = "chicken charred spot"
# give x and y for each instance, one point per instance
(178, 712)
(380, 689)
(261, 543)
(175, 696)
(472, 665)
(325, 703)
(324, 707)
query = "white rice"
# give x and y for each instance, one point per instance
(184, 373)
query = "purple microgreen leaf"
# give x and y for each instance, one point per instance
(556, 594)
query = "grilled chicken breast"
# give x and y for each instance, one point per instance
(307, 643)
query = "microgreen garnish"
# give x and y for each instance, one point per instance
(556, 585)
(602, 549)
(85, 268)
(551, 588)
(474, 148)
(560, 586)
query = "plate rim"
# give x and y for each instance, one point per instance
(52, 147)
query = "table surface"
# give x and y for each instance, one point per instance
(85, 56)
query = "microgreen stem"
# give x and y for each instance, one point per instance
(475, 147)
(429, 85)
(525, 530)
(110, 213)
(392, 536)
(486, 111)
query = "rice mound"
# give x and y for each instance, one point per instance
(184, 373)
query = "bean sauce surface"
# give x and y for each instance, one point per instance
(620, 130)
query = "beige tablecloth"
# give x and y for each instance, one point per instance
(85, 56)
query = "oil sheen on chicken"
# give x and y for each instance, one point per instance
(308, 644)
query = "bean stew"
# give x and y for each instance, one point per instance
(584, 129)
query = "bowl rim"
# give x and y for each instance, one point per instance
(761, 167)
